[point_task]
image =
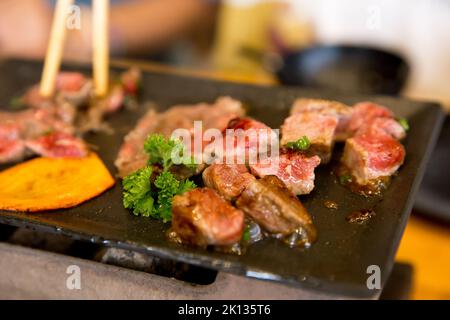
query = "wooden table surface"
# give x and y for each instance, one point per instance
(425, 244)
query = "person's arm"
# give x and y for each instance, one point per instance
(145, 25)
(24, 28)
(136, 26)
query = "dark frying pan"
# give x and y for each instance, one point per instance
(345, 69)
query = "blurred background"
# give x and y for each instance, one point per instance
(390, 47)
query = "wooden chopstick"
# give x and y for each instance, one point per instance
(55, 48)
(100, 45)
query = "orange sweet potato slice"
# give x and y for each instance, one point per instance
(47, 184)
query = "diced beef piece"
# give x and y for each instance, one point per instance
(326, 107)
(273, 207)
(372, 156)
(364, 113)
(317, 127)
(57, 145)
(202, 217)
(250, 140)
(383, 126)
(221, 112)
(246, 124)
(228, 179)
(295, 169)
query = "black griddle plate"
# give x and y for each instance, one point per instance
(336, 263)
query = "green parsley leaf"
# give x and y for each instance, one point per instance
(345, 179)
(168, 187)
(137, 192)
(161, 151)
(301, 144)
(404, 123)
(246, 234)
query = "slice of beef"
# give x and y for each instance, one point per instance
(228, 179)
(381, 126)
(250, 140)
(132, 156)
(276, 209)
(319, 128)
(295, 169)
(372, 156)
(339, 110)
(202, 217)
(57, 145)
(11, 151)
(12, 147)
(364, 113)
(31, 123)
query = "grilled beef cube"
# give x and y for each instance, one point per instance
(245, 124)
(372, 156)
(318, 128)
(202, 217)
(295, 169)
(364, 113)
(339, 110)
(228, 179)
(275, 208)
(251, 138)
(381, 126)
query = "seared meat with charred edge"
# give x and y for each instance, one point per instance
(202, 217)
(336, 109)
(228, 179)
(295, 169)
(319, 128)
(370, 157)
(268, 202)
(373, 153)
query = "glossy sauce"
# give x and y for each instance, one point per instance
(374, 188)
(360, 216)
(331, 205)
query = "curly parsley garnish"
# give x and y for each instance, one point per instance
(137, 192)
(162, 150)
(155, 200)
(301, 144)
(168, 187)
